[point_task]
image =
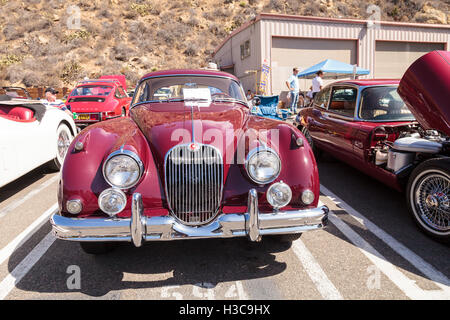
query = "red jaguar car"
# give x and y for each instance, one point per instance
(191, 163)
(395, 131)
(96, 100)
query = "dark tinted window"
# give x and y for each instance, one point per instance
(383, 104)
(343, 101)
(321, 98)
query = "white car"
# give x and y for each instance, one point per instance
(31, 134)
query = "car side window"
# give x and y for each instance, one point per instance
(120, 93)
(343, 101)
(321, 98)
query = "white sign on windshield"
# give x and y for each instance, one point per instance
(197, 97)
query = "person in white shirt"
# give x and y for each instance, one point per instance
(317, 83)
(50, 100)
(293, 85)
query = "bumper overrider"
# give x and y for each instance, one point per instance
(139, 228)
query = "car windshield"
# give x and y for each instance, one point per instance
(168, 88)
(383, 104)
(14, 92)
(91, 91)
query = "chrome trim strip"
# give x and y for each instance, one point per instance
(251, 224)
(137, 223)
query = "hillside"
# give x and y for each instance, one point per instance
(135, 37)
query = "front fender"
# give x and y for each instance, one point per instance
(82, 176)
(299, 168)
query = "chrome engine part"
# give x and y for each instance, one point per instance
(381, 157)
(397, 160)
(417, 145)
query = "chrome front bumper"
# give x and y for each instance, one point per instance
(140, 228)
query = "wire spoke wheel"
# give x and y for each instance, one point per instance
(432, 200)
(63, 144)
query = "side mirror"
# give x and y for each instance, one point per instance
(256, 101)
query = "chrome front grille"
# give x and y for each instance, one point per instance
(194, 182)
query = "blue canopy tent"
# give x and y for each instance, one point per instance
(333, 69)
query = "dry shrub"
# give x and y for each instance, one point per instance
(121, 52)
(137, 30)
(14, 73)
(70, 72)
(32, 79)
(172, 32)
(11, 32)
(191, 50)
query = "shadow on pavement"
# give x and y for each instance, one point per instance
(190, 262)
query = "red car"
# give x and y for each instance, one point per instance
(96, 100)
(371, 125)
(191, 163)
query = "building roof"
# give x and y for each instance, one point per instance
(273, 16)
(204, 72)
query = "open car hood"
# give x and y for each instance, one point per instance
(425, 88)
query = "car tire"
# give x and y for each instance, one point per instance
(63, 139)
(286, 238)
(307, 134)
(425, 203)
(97, 248)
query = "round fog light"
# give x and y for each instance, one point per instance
(112, 201)
(74, 206)
(308, 197)
(279, 195)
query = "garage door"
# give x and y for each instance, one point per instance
(304, 53)
(393, 58)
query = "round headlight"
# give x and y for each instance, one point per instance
(112, 201)
(308, 197)
(279, 195)
(263, 166)
(122, 170)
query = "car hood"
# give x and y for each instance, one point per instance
(425, 88)
(166, 125)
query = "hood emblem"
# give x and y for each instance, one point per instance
(194, 147)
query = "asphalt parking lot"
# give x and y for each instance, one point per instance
(370, 250)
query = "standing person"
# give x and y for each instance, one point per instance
(293, 85)
(317, 83)
(50, 100)
(250, 95)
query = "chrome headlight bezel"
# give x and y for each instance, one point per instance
(271, 199)
(254, 152)
(133, 156)
(119, 193)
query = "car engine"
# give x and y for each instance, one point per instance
(397, 148)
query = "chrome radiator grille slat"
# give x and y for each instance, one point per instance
(194, 182)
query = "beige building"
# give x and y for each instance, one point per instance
(285, 41)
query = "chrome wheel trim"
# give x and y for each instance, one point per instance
(430, 201)
(63, 144)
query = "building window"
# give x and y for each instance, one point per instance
(245, 50)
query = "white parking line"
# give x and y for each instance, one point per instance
(29, 195)
(9, 283)
(315, 272)
(407, 285)
(9, 249)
